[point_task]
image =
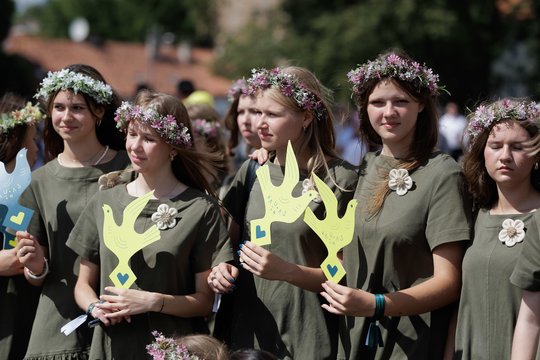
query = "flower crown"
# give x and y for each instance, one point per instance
(397, 67)
(289, 85)
(164, 348)
(166, 126)
(28, 115)
(66, 79)
(484, 116)
(238, 87)
(208, 129)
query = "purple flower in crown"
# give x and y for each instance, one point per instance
(394, 66)
(238, 87)
(166, 126)
(506, 109)
(289, 86)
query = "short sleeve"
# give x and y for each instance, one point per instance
(526, 274)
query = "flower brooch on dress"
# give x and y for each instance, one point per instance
(399, 181)
(513, 232)
(308, 185)
(165, 217)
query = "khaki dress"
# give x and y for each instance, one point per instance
(393, 251)
(58, 195)
(167, 266)
(489, 303)
(274, 315)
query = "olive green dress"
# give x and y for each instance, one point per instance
(393, 251)
(167, 266)
(18, 303)
(274, 315)
(526, 274)
(489, 303)
(58, 195)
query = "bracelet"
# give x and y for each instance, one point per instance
(379, 306)
(92, 306)
(44, 273)
(162, 304)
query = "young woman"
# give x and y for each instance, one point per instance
(279, 309)
(404, 266)
(18, 299)
(165, 222)
(82, 141)
(240, 121)
(503, 179)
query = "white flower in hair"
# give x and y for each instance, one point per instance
(399, 181)
(513, 232)
(308, 185)
(164, 217)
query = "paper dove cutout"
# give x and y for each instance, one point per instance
(124, 241)
(14, 217)
(335, 232)
(279, 204)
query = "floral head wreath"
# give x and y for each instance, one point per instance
(394, 66)
(28, 115)
(505, 109)
(238, 87)
(164, 348)
(208, 129)
(66, 79)
(289, 85)
(166, 126)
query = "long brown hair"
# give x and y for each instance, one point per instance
(425, 134)
(192, 164)
(106, 130)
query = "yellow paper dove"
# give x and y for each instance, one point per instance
(335, 232)
(124, 241)
(279, 204)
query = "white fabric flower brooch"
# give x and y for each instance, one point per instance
(399, 181)
(513, 232)
(307, 185)
(164, 217)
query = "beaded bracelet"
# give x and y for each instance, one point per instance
(44, 272)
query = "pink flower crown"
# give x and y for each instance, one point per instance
(164, 348)
(393, 66)
(208, 129)
(289, 85)
(238, 87)
(486, 115)
(166, 126)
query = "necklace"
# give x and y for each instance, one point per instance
(85, 162)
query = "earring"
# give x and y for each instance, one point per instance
(536, 166)
(98, 122)
(171, 156)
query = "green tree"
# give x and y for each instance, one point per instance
(129, 20)
(458, 39)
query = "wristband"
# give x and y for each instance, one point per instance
(92, 306)
(162, 304)
(379, 307)
(44, 272)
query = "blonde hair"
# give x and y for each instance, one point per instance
(205, 347)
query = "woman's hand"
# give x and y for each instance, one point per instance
(101, 314)
(343, 300)
(126, 302)
(261, 155)
(222, 277)
(263, 263)
(9, 263)
(30, 253)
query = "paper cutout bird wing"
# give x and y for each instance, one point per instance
(124, 241)
(279, 203)
(12, 185)
(335, 232)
